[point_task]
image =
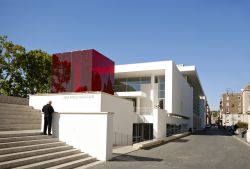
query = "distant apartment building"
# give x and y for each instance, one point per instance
(231, 103)
(234, 107)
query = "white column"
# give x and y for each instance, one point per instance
(248, 131)
(138, 105)
(152, 90)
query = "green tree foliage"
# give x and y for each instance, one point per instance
(21, 72)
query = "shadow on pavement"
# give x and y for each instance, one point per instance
(213, 132)
(181, 140)
(134, 158)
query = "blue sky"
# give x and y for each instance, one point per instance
(214, 35)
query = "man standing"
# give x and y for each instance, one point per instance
(48, 110)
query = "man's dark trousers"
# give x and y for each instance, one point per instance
(47, 123)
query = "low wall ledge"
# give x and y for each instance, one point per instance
(85, 113)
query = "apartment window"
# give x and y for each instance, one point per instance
(227, 97)
(227, 110)
(227, 104)
(239, 110)
(239, 98)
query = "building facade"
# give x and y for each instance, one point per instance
(174, 90)
(246, 99)
(235, 107)
(128, 103)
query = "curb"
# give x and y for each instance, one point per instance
(156, 142)
(248, 144)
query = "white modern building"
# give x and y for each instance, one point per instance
(152, 101)
(173, 92)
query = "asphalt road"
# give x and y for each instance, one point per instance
(210, 149)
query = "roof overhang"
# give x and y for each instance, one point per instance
(141, 69)
(192, 78)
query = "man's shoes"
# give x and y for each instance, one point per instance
(44, 133)
(50, 134)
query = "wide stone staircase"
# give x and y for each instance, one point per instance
(22, 145)
(19, 117)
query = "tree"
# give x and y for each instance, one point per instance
(37, 72)
(21, 72)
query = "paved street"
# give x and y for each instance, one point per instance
(211, 149)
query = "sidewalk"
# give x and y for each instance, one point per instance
(243, 140)
(145, 144)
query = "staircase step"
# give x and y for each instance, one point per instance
(6, 105)
(37, 159)
(20, 116)
(76, 163)
(13, 156)
(25, 143)
(89, 165)
(26, 138)
(20, 133)
(6, 127)
(20, 121)
(21, 112)
(30, 147)
(9, 108)
(54, 162)
(22, 144)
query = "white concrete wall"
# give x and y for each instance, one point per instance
(146, 103)
(145, 118)
(178, 93)
(159, 126)
(71, 102)
(83, 118)
(123, 118)
(89, 132)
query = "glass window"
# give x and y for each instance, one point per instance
(162, 94)
(145, 80)
(161, 86)
(130, 84)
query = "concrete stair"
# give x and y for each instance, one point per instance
(19, 117)
(22, 145)
(30, 149)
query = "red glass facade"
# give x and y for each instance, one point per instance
(79, 71)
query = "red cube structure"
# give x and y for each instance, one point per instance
(79, 71)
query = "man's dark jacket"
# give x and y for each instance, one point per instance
(48, 110)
